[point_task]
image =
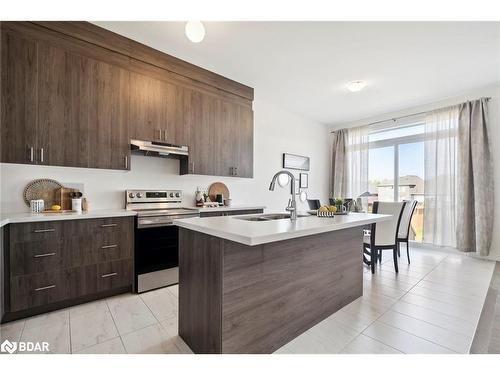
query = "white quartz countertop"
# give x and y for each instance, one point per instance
(28, 217)
(259, 232)
(228, 208)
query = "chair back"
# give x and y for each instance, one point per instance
(404, 226)
(386, 232)
(314, 204)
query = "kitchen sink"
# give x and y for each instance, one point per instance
(268, 217)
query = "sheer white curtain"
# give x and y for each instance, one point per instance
(357, 161)
(441, 141)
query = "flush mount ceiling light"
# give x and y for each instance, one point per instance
(195, 31)
(356, 86)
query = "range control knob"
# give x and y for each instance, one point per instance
(171, 195)
(139, 195)
(178, 195)
(131, 195)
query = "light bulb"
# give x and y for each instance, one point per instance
(356, 86)
(195, 31)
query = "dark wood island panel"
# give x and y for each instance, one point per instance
(235, 298)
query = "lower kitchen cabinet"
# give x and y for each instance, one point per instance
(50, 265)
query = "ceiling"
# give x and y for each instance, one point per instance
(304, 66)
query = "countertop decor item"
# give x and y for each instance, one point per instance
(42, 188)
(37, 205)
(330, 213)
(218, 188)
(62, 197)
(57, 211)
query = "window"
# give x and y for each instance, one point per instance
(396, 154)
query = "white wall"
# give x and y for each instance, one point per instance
(276, 131)
(494, 133)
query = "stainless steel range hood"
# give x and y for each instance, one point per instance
(158, 149)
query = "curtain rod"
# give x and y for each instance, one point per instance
(405, 116)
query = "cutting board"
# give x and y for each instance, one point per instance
(62, 197)
(218, 188)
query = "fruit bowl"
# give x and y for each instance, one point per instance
(330, 213)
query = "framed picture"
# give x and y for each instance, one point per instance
(303, 180)
(299, 162)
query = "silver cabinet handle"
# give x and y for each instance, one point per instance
(231, 171)
(235, 171)
(159, 134)
(41, 155)
(44, 230)
(109, 225)
(126, 162)
(164, 134)
(44, 255)
(109, 275)
(45, 287)
(108, 246)
(192, 167)
(32, 155)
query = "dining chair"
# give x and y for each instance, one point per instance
(314, 204)
(404, 226)
(383, 235)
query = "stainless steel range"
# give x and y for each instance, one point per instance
(156, 238)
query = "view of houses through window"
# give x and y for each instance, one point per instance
(397, 154)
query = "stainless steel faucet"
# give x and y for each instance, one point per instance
(292, 203)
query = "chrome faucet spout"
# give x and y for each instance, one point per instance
(292, 203)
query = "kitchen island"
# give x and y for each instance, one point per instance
(249, 285)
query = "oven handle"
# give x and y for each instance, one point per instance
(168, 223)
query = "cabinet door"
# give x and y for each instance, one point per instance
(234, 140)
(18, 99)
(201, 110)
(177, 127)
(65, 99)
(148, 108)
(244, 167)
(109, 133)
(226, 139)
(83, 111)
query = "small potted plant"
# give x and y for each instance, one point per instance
(339, 203)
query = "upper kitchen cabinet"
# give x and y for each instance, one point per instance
(178, 130)
(234, 140)
(74, 94)
(82, 110)
(19, 98)
(148, 108)
(200, 112)
(61, 104)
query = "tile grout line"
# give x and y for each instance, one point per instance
(116, 327)
(425, 321)
(423, 338)
(69, 323)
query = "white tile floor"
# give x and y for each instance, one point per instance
(431, 306)
(129, 323)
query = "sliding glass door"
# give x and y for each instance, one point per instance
(396, 169)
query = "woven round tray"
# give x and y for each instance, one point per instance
(42, 188)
